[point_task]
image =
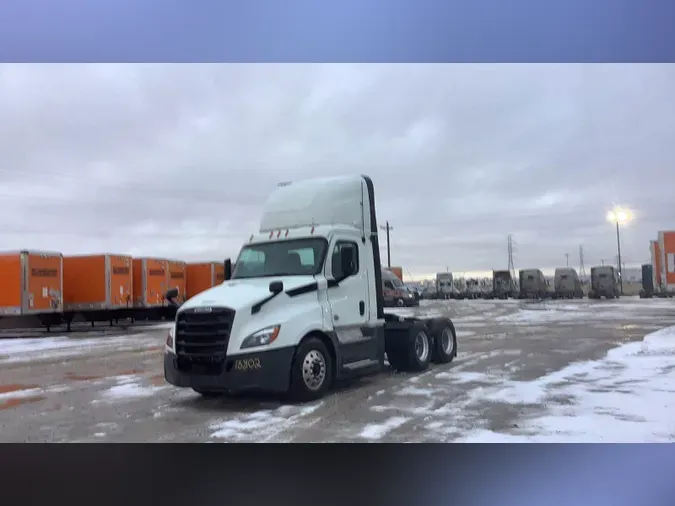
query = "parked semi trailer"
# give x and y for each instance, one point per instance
(151, 282)
(604, 283)
(49, 288)
(32, 285)
(177, 278)
(303, 308)
(201, 276)
(666, 242)
(567, 284)
(532, 284)
(97, 287)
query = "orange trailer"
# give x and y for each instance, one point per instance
(97, 282)
(655, 251)
(177, 278)
(397, 271)
(151, 278)
(667, 254)
(202, 276)
(31, 283)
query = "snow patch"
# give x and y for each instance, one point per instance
(376, 431)
(628, 396)
(264, 425)
(464, 333)
(414, 391)
(33, 392)
(130, 387)
(36, 349)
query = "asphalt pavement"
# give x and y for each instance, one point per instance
(110, 388)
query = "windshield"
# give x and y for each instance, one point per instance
(296, 257)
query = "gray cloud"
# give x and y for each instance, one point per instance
(176, 160)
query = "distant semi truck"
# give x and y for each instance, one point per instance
(647, 291)
(502, 285)
(566, 284)
(604, 283)
(532, 284)
(445, 288)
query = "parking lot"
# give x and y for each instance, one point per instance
(525, 372)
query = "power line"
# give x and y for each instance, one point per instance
(582, 269)
(511, 267)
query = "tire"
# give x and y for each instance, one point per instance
(414, 350)
(311, 371)
(444, 347)
(209, 393)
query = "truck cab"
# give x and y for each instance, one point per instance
(502, 285)
(445, 287)
(532, 284)
(566, 284)
(604, 282)
(304, 305)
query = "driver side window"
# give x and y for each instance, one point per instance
(336, 258)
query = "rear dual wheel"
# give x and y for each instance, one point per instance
(425, 342)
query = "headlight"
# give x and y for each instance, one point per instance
(261, 337)
(170, 336)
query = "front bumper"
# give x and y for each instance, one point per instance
(266, 371)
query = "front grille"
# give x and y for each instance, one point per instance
(202, 338)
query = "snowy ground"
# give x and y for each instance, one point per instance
(560, 371)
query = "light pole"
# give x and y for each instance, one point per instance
(619, 216)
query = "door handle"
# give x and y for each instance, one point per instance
(362, 308)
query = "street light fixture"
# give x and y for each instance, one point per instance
(619, 216)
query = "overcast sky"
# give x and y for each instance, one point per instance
(176, 160)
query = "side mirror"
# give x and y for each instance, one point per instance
(347, 262)
(228, 269)
(276, 287)
(171, 294)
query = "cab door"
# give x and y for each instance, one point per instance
(348, 300)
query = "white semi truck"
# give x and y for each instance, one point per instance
(303, 307)
(445, 287)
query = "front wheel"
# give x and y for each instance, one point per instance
(311, 371)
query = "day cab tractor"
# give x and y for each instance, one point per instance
(303, 307)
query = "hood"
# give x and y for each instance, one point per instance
(240, 293)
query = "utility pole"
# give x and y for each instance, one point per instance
(387, 227)
(567, 259)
